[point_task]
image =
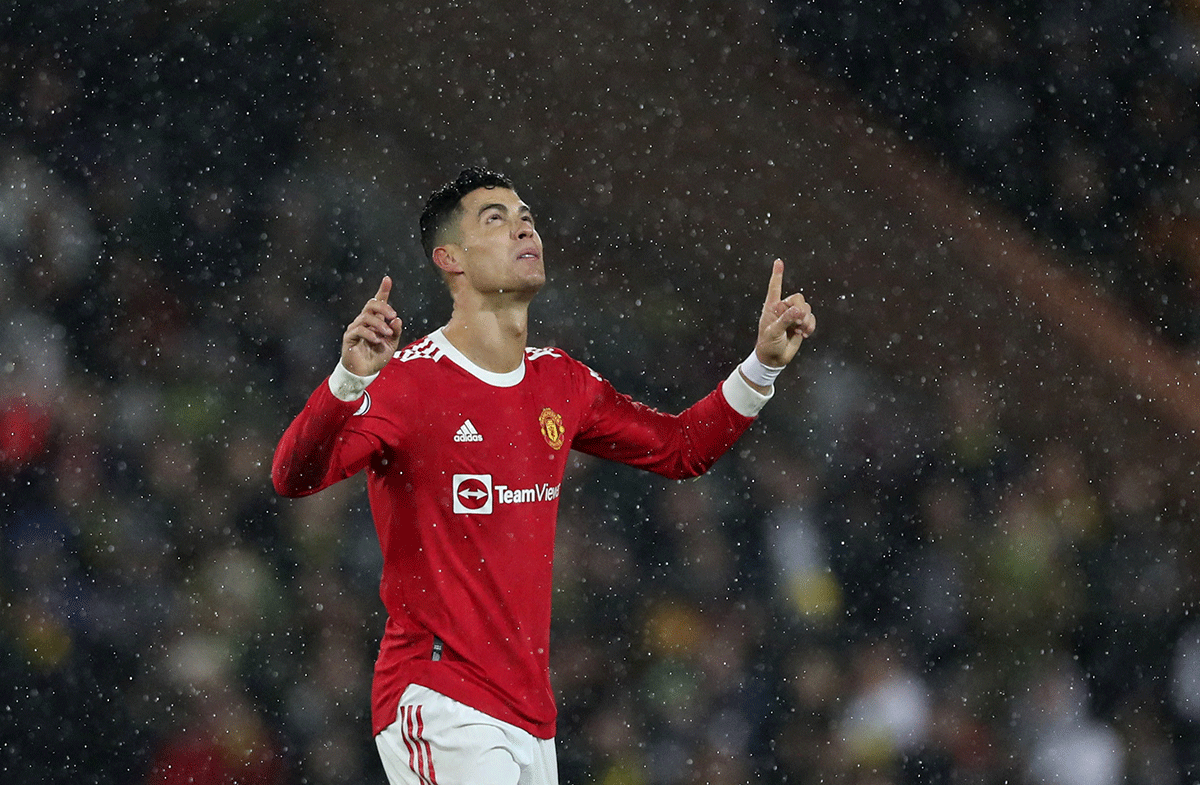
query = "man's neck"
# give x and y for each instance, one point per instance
(493, 340)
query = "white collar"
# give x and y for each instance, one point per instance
(509, 379)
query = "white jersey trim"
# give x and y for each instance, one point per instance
(510, 379)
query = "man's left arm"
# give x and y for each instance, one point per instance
(687, 444)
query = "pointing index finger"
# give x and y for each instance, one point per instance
(775, 286)
(385, 288)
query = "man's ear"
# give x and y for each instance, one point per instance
(446, 260)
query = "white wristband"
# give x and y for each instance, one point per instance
(347, 386)
(756, 372)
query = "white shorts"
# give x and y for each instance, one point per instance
(438, 741)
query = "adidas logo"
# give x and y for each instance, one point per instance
(467, 433)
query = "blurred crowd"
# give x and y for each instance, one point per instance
(870, 589)
(1082, 118)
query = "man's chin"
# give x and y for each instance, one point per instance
(533, 283)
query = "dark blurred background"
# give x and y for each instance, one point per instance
(957, 548)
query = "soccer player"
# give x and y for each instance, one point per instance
(464, 436)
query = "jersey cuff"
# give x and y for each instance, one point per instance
(744, 399)
(347, 386)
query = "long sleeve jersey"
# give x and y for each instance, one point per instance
(464, 473)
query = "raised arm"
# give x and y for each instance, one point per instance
(687, 444)
(315, 450)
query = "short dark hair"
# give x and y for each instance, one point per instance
(443, 205)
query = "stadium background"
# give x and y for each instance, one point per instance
(956, 550)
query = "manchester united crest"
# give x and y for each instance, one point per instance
(552, 427)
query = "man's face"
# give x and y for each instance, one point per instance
(497, 246)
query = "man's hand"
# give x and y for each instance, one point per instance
(374, 335)
(784, 324)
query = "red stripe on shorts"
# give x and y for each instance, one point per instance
(420, 754)
(404, 734)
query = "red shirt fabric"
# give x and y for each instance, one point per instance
(464, 473)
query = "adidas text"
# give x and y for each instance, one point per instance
(467, 433)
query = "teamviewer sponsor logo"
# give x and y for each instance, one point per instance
(467, 433)
(473, 494)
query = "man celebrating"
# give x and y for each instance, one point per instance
(464, 437)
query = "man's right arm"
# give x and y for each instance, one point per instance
(318, 449)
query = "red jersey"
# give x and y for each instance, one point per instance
(464, 473)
